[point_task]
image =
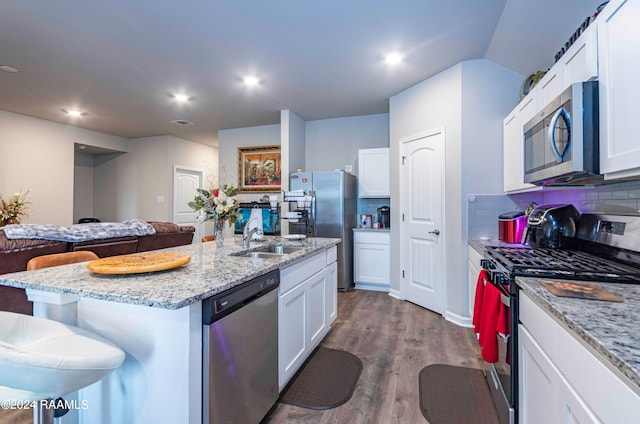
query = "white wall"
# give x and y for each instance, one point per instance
(228, 143)
(83, 187)
(468, 100)
(333, 143)
(38, 155)
(293, 143)
(130, 185)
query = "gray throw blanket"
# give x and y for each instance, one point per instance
(79, 232)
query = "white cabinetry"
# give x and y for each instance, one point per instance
(306, 307)
(372, 260)
(474, 270)
(579, 63)
(561, 381)
(373, 173)
(619, 61)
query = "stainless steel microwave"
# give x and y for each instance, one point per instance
(561, 143)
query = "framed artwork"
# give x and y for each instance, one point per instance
(259, 169)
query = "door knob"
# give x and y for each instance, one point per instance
(436, 232)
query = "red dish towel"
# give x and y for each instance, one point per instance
(477, 303)
(489, 323)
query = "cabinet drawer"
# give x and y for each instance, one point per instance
(475, 257)
(372, 237)
(332, 255)
(294, 274)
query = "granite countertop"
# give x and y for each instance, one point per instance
(611, 329)
(209, 272)
(373, 230)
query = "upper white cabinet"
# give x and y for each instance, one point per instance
(513, 151)
(579, 63)
(618, 41)
(373, 173)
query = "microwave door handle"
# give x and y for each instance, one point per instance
(552, 134)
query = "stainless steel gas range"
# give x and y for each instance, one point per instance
(605, 248)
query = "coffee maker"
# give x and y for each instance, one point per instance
(384, 216)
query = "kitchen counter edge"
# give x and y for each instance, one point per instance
(210, 271)
(599, 329)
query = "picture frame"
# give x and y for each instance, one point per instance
(259, 169)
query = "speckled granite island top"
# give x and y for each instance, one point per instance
(611, 329)
(210, 271)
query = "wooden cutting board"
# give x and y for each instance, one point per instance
(579, 290)
(137, 263)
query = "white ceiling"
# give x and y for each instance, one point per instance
(119, 60)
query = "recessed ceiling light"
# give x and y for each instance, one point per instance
(181, 122)
(181, 97)
(8, 69)
(251, 80)
(74, 113)
(393, 58)
(82, 147)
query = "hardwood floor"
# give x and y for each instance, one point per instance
(395, 340)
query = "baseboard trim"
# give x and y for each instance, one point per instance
(395, 293)
(373, 287)
(458, 319)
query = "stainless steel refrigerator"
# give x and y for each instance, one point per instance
(333, 213)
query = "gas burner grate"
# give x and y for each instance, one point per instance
(565, 264)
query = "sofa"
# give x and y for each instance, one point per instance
(14, 254)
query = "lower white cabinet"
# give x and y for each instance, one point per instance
(307, 305)
(560, 381)
(372, 260)
(474, 270)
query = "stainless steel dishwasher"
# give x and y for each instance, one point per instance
(240, 352)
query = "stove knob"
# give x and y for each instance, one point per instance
(487, 264)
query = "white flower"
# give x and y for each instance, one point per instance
(219, 209)
(221, 197)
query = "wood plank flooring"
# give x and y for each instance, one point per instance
(395, 340)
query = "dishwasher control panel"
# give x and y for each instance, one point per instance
(222, 304)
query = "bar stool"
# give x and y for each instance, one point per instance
(208, 238)
(43, 359)
(55, 259)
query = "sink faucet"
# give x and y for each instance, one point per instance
(248, 233)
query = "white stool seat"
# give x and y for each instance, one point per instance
(42, 359)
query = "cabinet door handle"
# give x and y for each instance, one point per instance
(436, 232)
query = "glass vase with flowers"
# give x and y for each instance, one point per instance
(13, 209)
(218, 205)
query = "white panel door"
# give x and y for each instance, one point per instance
(422, 200)
(185, 183)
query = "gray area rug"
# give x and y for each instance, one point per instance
(326, 381)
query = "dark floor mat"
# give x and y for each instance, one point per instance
(327, 380)
(455, 395)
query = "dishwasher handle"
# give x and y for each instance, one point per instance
(217, 307)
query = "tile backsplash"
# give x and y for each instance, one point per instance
(484, 209)
(370, 206)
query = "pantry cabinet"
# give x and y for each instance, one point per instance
(373, 173)
(372, 260)
(619, 90)
(554, 385)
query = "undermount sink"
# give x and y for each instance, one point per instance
(279, 249)
(270, 251)
(260, 255)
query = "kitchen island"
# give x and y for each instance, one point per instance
(156, 318)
